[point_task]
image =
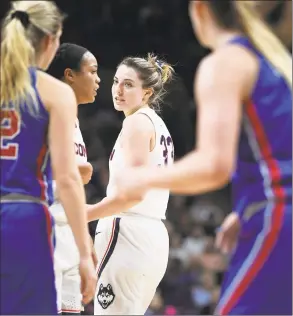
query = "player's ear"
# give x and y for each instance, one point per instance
(68, 75)
(147, 94)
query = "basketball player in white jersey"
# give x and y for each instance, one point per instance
(131, 240)
(76, 66)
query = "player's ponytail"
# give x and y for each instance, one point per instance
(264, 39)
(17, 54)
(165, 70)
(23, 29)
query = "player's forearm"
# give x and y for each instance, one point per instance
(194, 174)
(72, 197)
(108, 206)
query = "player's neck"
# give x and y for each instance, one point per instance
(223, 37)
(40, 63)
(130, 112)
(79, 101)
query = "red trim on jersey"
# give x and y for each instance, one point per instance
(266, 151)
(40, 162)
(74, 311)
(49, 229)
(277, 212)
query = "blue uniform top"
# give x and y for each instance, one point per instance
(264, 163)
(25, 159)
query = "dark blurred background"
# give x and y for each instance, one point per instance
(111, 30)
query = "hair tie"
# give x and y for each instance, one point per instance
(22, 16)
(159, 65)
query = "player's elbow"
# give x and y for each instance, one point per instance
(68, 180)
(221, 176)
(219, 170)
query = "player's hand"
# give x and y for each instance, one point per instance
(88, 279)
(227, 236)
(86, 172)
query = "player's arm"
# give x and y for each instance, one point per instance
(135, 145)
(63, 111)
(85, 171)
(224, 81)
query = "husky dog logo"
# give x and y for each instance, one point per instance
(105, 295)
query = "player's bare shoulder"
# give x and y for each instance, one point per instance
(225, 60)
(54, 91)
(229, 66)
(138, 123)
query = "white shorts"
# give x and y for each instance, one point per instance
(133, 255)
(66, 266)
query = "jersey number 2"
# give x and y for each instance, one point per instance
(10, 128)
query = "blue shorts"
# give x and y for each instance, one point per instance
(259, 278)
(27, 273)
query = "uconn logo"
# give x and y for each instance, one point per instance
(80, 150)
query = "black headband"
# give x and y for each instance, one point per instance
(68, 56)
(73, 55)
(22, 16)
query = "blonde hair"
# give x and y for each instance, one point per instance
(153, 73)
(19, 45)
(264, 39)
(162, 67)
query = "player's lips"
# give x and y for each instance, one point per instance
(117, 99)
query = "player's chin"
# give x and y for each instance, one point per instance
(91, 99)
(118, 107)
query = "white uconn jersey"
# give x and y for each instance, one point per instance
(155, 202)
(80, 153)
(79, 146)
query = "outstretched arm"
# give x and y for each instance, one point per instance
(222, 85)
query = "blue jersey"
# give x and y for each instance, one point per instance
(264, 163)
(25, 159)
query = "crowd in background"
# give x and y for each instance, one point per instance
(111, 30)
